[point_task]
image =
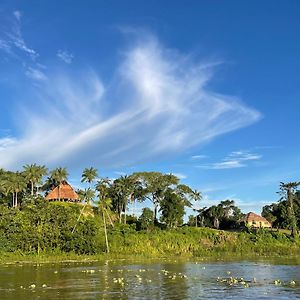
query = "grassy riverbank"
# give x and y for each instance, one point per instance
(182, 243)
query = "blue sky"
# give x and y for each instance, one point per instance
(207, 90)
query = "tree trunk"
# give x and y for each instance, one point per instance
(111, 223)
(32, 188)
(105, 232)
(81, 212)
(155, 212)
(216, 223)
(125, 214)
(292, 216)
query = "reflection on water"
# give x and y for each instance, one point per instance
(167, 279)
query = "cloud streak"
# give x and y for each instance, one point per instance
(236, 159)
(65, 56)
(156, 105)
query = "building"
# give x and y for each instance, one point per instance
(63, 192)
(256, 221)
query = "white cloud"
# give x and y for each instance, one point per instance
(5, 46)
(17, 14)
(13, 40)
(236, 159)
(35, 74)
(180, 175)
(199, 156)
(157, 105)
(65, 56)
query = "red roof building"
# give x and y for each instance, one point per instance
(63, 192)
(257, 221)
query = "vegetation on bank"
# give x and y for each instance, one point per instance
(46, 229)
(99, 224)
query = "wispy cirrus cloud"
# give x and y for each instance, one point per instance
(35, 74)
(199, 156)
(14, 45)
(236, 159)
(65, 56)
(16, 39)
(152, 108)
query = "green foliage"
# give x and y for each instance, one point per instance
(146, 219)
(225, 215)
(172, 209)
(285, 213)
(42, 226)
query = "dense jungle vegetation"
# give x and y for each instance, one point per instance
(99, 222)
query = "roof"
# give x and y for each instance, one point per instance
(66, 192)
(250, 217)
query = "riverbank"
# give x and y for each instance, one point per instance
(187, 243)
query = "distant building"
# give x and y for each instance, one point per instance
(256, 221)
(63, 192)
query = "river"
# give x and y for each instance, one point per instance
(163, 279)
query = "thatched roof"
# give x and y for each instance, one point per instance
(252, 217)
(65, 191)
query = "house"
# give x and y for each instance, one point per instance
(63, 192)
(256, 221)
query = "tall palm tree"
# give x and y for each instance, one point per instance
(125, 188)
(59, 175)
(86, 195)
(287, 190)
(34, 174)
(104, 204)
(105, 207)
(89, 175)
(102, 187)
(14, 184)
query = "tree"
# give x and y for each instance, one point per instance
(14, 184)
(287, 190)
(34, 174)
(216, 212)
(146, 219)
(200, 218)
(172, 209)
(155, 184)
(60, 175)
(89, 175)
(86, 195)
(104, 204)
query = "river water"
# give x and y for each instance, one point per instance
(164, 279)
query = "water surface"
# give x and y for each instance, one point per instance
(166, 279)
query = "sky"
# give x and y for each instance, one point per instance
(206, 90)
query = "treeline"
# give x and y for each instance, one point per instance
(225, 215)
(30, 224)
(286, 212)
(167, 195)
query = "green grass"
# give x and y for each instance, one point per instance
(183, 243)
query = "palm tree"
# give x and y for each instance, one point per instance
(89, 175)
(288, 192)
(87, 195)
(14, 184)
(34, 174)
(59, 175)
(127, 190)
(102, 187)
(104, 204)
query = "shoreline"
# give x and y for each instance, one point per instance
(28, 259)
